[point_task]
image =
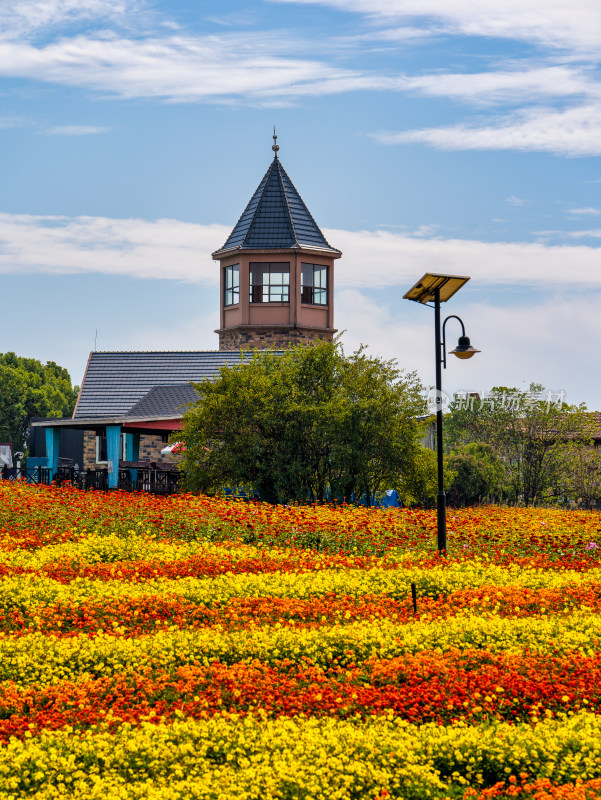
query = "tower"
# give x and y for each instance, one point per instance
(277, 271)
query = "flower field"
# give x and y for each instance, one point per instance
(192, 647)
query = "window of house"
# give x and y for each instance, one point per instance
(270, 282)
(232, 285)
(314, 284)
(101, 452)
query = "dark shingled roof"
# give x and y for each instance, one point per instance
(164, 401)
(115, 381)
(276, 218)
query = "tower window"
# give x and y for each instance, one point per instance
(270, 282)
(314, 284)
(232, 285)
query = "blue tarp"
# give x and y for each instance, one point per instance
(390, 499)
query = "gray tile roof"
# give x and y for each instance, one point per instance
(164, 401)
(276, 217)
(116, 381)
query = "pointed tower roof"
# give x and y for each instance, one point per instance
(276, 218)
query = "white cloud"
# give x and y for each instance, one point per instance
(13, 121)
(75, 130)
(572, 132)
(22, 18)
(397, 35)
(272, 67)
(426, 231)
(594, 233)
(166, 249)
(554, 23)
(183, 68)
(384, 259)
(512, 200)
(521, 83)
(172, 250)
(585, 211)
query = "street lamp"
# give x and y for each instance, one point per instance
(438, 289)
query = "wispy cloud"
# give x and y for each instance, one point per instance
(165, 249)
(13, 121)
(512, 264)
(559, 235)
(234, 19)
(548, 102)
(273, 65)
(552, 23)
(594, 233)
(502, 86)
(172, 250)
(395, 35)
(75, 130)
(571, 132)
(589, 211)
(279, 67)
(183, 68)
(26, 18)
(269, 66)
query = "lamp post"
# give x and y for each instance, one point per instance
(436, 289)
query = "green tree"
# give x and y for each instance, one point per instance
(29, 389)
(419, 483)
(527, 430)
(479, 475)
(305, 425)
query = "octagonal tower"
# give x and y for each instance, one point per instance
(277, 271)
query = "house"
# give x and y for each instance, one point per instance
(277, 290)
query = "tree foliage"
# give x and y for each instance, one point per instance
(479, 475)
(528, 430)
(419, 486)
(309, 424)
(29, 389)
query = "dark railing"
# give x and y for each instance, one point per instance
(140, 478)
(148, 476)
(32, 475)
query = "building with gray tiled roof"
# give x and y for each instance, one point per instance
(163, 401)
(115, 383)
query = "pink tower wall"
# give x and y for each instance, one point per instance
(275, 324)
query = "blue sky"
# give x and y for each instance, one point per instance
(424, 135)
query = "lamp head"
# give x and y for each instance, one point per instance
(464, 348)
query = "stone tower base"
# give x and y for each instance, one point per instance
(242, 337)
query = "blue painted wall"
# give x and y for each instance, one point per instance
(53, 439)
(113, 454)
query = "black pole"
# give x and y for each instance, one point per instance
(441, 501)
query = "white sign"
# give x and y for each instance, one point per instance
(110, 465)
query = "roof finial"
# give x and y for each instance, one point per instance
(275, 147)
